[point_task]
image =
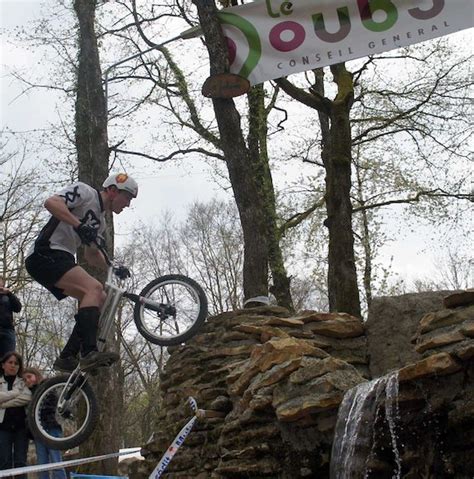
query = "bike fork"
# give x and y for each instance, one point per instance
(74, 383)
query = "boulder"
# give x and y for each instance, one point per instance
(392, 322)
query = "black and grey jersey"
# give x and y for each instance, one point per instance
(85, 203)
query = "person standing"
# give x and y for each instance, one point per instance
(44, 454)
(14, 396)
(78, 216)
(9, 304)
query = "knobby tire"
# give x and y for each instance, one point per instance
(39, 430)
(149, 328)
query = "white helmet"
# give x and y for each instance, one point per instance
(123, 182)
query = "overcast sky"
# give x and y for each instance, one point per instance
(162, 188)
(167, 187)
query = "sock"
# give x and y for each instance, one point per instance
(87, 322)
(73, 345)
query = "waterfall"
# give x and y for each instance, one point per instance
(354, 435)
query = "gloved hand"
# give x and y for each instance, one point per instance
(122, 272)
(87, 233)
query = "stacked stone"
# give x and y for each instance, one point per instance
(271, 385)
(338, 334)
(445, 341)
(448, 331)
(285, 400)
(433, 426)
(261, 375)
(436, 395)
(199, 369)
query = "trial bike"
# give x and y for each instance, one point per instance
(168, 311)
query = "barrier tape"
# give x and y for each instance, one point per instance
(60, 465)
(157, 472)
(178, 441)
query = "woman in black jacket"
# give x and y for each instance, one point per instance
(14, 396)
(9, 304)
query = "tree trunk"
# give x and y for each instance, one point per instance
(365, 237)
(257, 142)
(93, 154)
(248, 172)
(342, 277)
(91, 115)
(336, 155)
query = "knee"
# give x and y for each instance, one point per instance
(97, 292)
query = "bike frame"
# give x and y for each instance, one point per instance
(114, 295)
(111, 303)
(70, 389)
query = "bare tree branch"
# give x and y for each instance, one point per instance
(313, 100)
(298, 218)
(171, 155)
(438, 193)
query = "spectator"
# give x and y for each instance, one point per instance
(14, 396)
(44, 454)
(9, 304)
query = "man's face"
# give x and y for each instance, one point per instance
(121, 200)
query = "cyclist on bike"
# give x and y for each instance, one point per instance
(78, 216)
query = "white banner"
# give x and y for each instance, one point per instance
(269, 39)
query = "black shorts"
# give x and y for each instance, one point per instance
(48, 267)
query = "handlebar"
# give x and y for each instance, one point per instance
(102, 249)
(117, 270)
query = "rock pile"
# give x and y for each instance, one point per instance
(272, 383)
(448, 330)
(391, 324)
(435, 426)
(271, 386)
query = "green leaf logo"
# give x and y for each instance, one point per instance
(251, 35)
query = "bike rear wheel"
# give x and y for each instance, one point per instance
(71, 404)
(171, 310)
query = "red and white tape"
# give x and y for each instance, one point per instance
(178, 441)
(157, 472)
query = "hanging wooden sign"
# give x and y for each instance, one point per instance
(225, 85)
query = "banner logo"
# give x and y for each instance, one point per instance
(252, 37)
(268, 39)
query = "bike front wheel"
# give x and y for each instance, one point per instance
(170, 310)
(63, 412)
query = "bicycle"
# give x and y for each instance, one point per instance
(168, 311)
